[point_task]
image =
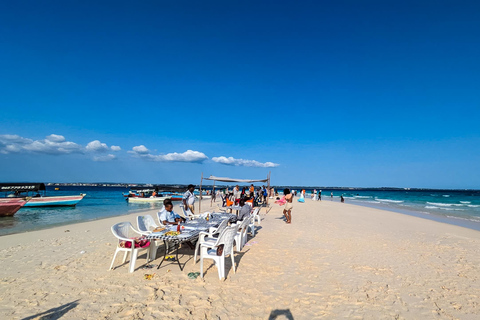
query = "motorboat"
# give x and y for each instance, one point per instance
(55, 201)
(150, 195)
(10, 206)
(146, 200)
(32, 190)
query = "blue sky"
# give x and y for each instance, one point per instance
(340, 93)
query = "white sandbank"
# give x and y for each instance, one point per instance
(334, 261)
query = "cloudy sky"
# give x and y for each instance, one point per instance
(343, 93)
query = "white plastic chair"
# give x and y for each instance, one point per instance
(241, 236)
(256, 214)
(209, 251)
(124, 231)
(146, 224)
(251, 225)
(188, 214)
(209, 237)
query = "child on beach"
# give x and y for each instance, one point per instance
(167, 215)
(287, 211)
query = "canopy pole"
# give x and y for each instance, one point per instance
(268, 185)
(213, 190)
(200, 202)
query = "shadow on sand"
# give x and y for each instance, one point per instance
(54, 313)
(280, 313)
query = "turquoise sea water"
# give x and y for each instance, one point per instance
(458, 207)
(454, 207)
(100, 202)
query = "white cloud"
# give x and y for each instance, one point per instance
(108, 157)
(53, 144)
(96, 146)
(6, 139)
(141, 149)
(55, 138)
(187, 156)
(53, 147)
(242, 162)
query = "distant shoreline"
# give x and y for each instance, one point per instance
(184, 186)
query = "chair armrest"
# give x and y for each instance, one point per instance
(137, 231)
(202, 235)
(207, 244)
(125, 239)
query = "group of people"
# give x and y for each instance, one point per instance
(249, 194)
(316, 196)
(168, 217)
(236, 196)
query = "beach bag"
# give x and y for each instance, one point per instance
(141, 242)
(220, 250)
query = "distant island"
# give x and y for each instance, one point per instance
(279, 187)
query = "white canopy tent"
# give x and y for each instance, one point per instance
(234, 180)
(224, 179)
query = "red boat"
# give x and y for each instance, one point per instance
(9, 206)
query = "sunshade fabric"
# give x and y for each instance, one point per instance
(21, 187)
(222, 179)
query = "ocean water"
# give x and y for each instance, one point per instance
(99, 202)
(454, 207)
(458, 207)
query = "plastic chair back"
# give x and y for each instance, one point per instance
(222, 226)
(146, 223)
(226, 238)
(123, 230)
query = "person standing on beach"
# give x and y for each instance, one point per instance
(189, 199)
(214, 194)
(237, 193)
(319, 195)
(287, 210)
(331, 195)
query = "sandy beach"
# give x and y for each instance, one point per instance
(335, 261)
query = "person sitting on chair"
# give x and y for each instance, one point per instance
(244, 211)
(228, 201)
(167, 215)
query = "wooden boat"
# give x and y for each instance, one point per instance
(9, 206)
(176, 198)
(146, 200)
(139, 193)
(32, 190)
(55, 201)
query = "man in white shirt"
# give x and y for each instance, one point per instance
(189, 199)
